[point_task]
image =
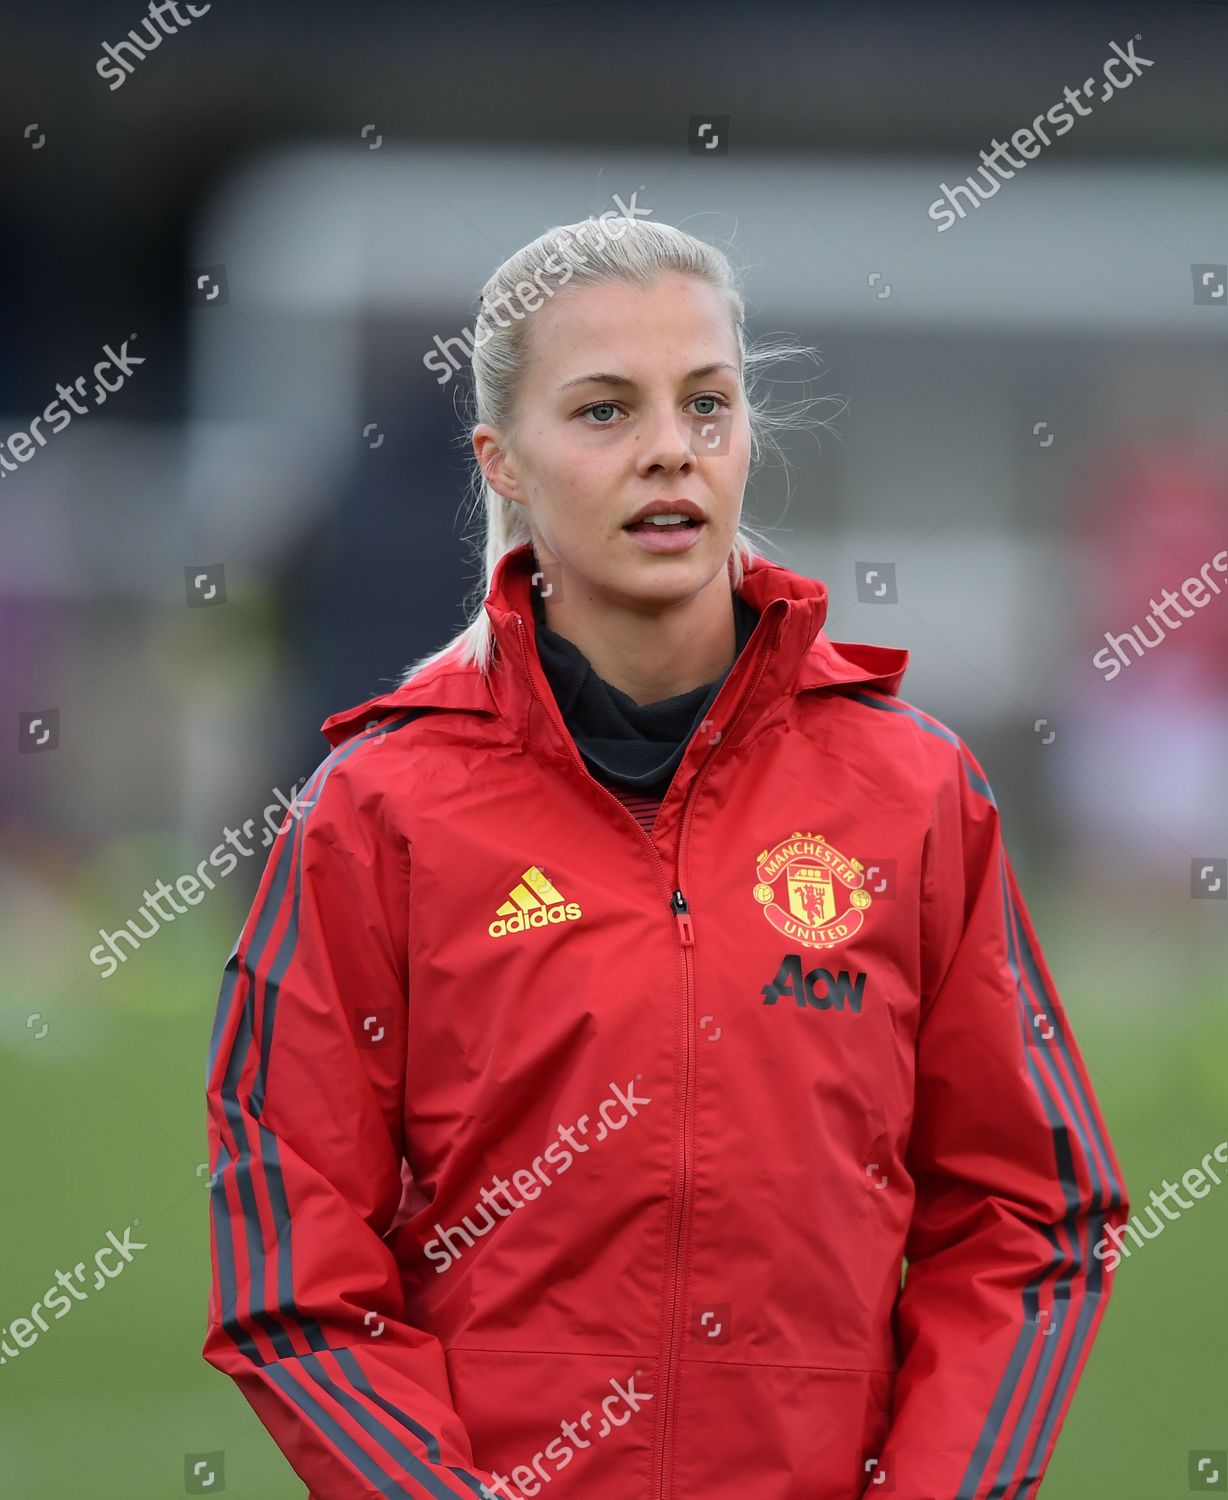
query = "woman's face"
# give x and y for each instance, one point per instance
(630, 395)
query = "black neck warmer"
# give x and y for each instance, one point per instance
(635, 745)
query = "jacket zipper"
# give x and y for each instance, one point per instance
(686, 932)
(686, 935)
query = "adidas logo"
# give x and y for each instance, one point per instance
(532, 902)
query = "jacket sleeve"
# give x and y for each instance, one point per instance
(304, 1113)
(1015, 1180)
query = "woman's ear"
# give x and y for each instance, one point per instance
(495, 462)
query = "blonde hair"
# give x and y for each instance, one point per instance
(615, 248)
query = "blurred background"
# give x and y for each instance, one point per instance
(280, 209)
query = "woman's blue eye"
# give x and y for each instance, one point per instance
(715, 399)
(590, 411)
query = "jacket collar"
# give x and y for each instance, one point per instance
(788, 643)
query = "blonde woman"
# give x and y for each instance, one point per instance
(640, 990)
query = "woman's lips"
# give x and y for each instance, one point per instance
(653, 538)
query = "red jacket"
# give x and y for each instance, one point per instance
(563, 1159)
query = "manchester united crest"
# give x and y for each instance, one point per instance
(811, 892)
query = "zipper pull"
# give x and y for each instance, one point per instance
(681, 911)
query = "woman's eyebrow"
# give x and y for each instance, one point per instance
(603, 377)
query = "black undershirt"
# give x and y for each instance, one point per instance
(632, 745)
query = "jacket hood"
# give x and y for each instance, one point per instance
(799, 655)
